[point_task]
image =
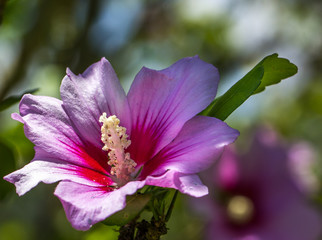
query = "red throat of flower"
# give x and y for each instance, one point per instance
(115, 142)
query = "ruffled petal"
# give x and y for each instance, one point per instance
(47, 125)
(86, 205)
(196, 147)
(49, 172)
(86, 96)
(185, 183)
(162, 101)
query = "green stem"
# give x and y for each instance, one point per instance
(167, 217)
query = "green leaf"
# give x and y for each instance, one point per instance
(223, 106)
(8, 102)
(270, 70)
(134, 205)
(275, 69)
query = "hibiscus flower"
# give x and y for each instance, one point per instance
(101, 144)
(257, 197)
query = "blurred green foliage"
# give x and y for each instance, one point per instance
(9, 101)
(39, 39)
(134, 205)
(7, 166)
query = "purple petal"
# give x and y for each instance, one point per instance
(162, 101)
(49, 172)
(296, 220)
(266, 163)
(88, 95)
(187, 184)
(196, 147)
(86, 205)
(226, 174)
(49, 128)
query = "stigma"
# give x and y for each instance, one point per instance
(116, 142)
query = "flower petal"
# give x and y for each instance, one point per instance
(88, 95)
(49, 128)
(49, 172)
(162, 101)
(187, 184)
(297, 220)
(226, 174)
(196, 147)
(86, 205)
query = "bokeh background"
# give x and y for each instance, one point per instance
(39, 39)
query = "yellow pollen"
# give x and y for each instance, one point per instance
(115, 142)
(240, 209)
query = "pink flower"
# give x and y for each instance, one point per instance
(103, 145)
(302, 161)
(257, 198)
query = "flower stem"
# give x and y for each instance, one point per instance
(174, 198)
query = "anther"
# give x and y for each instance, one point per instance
(115, 142)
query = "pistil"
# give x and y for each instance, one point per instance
(115, 142)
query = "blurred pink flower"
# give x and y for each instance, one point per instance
(103, 145)
(256, 197)
(302, 162)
